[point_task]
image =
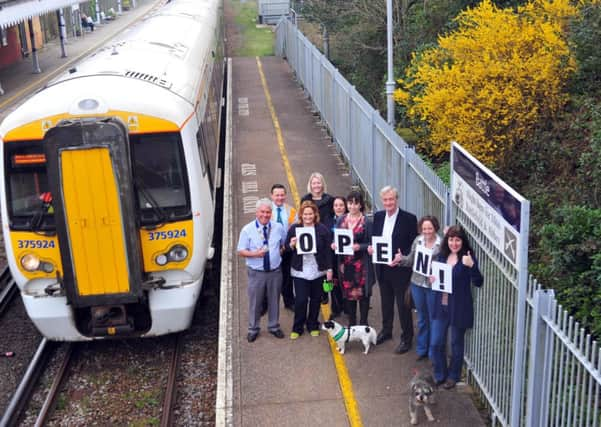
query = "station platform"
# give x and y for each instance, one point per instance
(276, 138)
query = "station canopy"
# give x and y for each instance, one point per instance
(15, 12)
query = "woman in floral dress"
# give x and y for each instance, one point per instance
(355, 272)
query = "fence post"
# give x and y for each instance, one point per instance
(404, 175)
(350, 125)
(520, 317)
(374, 165)
(333, 112)
(539, 373)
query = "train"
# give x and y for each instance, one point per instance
(111, 176)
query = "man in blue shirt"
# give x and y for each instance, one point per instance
(260, 243)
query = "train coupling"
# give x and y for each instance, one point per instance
(110, 320)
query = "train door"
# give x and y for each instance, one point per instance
(89, 171)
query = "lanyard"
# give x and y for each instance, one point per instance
(262, 235)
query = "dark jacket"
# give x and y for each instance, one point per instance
(461, 303)
(403, 234)
(324, 255)
(325, 206)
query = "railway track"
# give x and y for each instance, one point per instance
(25, 388)
(73, 351)
(9, 290)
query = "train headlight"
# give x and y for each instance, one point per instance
(178, 253)
(30, 262)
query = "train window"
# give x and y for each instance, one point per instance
(27, 184)
(160, 178)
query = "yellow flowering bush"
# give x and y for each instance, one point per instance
(489, 82)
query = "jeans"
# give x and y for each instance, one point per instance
(423, 298)
(442, 371)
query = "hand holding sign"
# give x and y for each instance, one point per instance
(467, 260)
(382, 250)
(343, 241)
(305, 240)
(443, 274)
(422, 260)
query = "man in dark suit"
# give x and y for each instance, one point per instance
(401, 227)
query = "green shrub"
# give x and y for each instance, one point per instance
(571, 263)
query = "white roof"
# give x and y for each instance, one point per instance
(13, 13)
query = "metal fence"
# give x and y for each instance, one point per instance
(561, 384)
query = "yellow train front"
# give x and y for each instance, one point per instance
(109, 181)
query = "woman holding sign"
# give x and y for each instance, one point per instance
(455, 309)
(311, 262)
(317, 193)
(424, 249)
(337, 303)
(355, 272)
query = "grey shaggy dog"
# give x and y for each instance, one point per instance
(422, 394)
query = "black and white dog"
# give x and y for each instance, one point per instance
(341, 335)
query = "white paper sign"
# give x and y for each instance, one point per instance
(422, 261)
(343, 239)
(305, 240)
(444, 277)
(382, 247)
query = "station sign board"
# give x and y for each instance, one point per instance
(492, 205)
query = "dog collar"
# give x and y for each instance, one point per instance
(339, 334)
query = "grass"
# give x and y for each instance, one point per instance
(255, 41)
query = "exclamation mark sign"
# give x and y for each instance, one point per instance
(441, 278)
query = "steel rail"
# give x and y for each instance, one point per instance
(167, 413)
(23, 393)
(9, 290)
(59, 378)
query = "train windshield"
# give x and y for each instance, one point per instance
(160, 178)
(28, 192)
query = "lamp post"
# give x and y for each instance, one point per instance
(390, 82)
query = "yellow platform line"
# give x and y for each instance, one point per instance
(346, 385)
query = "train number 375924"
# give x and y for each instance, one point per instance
(35, 244)
(165, 235)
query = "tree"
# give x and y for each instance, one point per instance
(491, 80)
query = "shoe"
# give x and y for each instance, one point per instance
(314, 333)
(449, 384)
(383, 337)
(252, 336)
(294, 335)
(277, 333)
(402, 348)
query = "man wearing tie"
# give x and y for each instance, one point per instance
(285, 215)
(401, 228)
(260, 242)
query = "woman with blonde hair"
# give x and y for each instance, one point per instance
(309, 270)
(317, 192)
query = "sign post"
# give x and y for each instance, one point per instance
(503, 216)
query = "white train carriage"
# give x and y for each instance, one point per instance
(110, 174)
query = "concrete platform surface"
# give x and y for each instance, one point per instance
(295, 383)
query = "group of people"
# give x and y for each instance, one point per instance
(274, 266)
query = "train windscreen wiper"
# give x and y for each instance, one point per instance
(38, 216)
(143, 190)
